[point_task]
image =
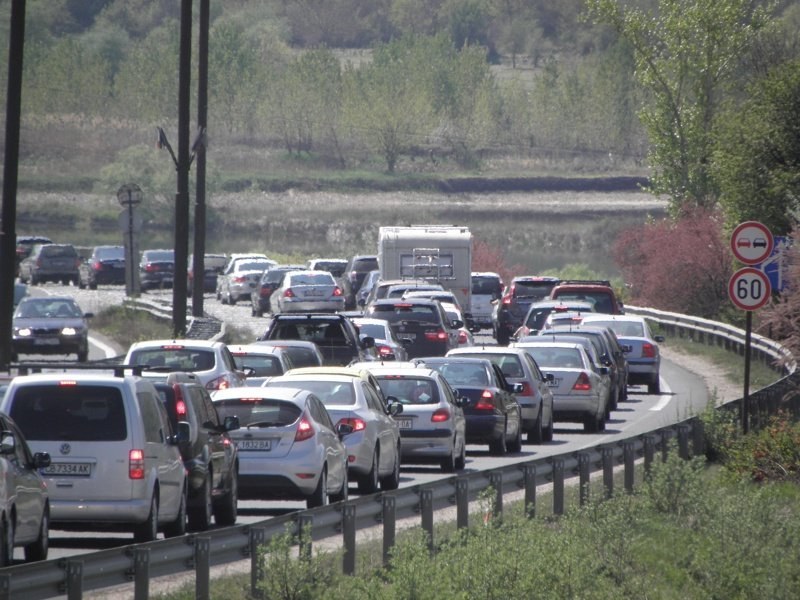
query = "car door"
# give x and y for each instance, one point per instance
(27, 486)
(211, 430)
(161, 454)
(388, 432)
(510, 406)
(334, 448)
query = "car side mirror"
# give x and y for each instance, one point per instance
(231, 423)
(549, 377)
(395, 408)
(626, 348)
(8, 443)
(343, 429)
(457, 323)
(41, 460)
(88, 315)
(368, 341)
(603, 370)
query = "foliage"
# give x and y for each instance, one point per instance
(686, 57)
(126, 326)
(681, 266)
(781, 318)
(770, 454)
(486, 257)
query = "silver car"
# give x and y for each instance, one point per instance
(638, 343)
(387, 344)
(432, 424)
(354, 397)
(580, 389)
(240, 278)
(258, 362)
(288, 446)
(307, 291)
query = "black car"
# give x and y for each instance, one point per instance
(156, 269)
(210, 457)
(50, 262)
(357, 268)
(510, 310)
(269, 282)
(50, 325)
(493, 414)
(421, 321)
(25, 244)
(105, 266)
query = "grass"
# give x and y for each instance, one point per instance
(126, 325)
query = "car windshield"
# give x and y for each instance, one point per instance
(394, 313)
(332, 393)
(258, 412)
(174, 358)
(46, 308)
(409, 390)
(548, 357)
(70, 413)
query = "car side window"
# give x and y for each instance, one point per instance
(320, 413)
(211, 417)
(373, 400)
(537, 374)
(154, 426)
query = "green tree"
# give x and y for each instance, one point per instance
(757, 158)
(686, 55)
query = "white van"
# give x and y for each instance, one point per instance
(486, 288)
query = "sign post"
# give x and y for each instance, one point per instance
(749, 289)
(129, 196)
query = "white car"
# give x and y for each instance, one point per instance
(288, 445)
(307, 291)
(241, 277)
(387, 344)
(259, 362)
(454, 313)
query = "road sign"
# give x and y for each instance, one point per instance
(129, 194)
(751, 242)
(749, 289)
(776, 267)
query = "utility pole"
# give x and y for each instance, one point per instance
(198, 265)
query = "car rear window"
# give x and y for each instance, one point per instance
(362, 265)
(565, 358)
(395, 313)
(462, 374)
(509, 364)
(332, 393)
(72, 413)
(486, 286)
(334, 268)
(254, 412)
(533, 289)
(174, 358)
(111, 252)
(262, 365)
(162, 256)
(59, 252)
(409, 390)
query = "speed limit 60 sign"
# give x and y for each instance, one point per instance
(749, 288)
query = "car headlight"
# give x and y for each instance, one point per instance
(24, 332)
(69, 331)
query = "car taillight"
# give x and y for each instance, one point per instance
(136, 464)
(354, 422)
(441, 415)
(436, 336)
(240, 279)
(220, 383)
(288, 293)
(510, 295)
(150, 267)
(648, 350)
(384, 350)
(180, 403)
(97, 265)
(486, 401)
(582, 384)
(265, 292)
(527, 390)
(304, 430)
(337, 291)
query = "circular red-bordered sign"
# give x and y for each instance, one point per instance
(749, 288)
(752, 242)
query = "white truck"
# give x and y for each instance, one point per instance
(439, 253)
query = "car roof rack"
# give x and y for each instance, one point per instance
(605, 282)
(118, 370)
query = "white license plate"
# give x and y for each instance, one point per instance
(314, 293)
(408, 336)
(555, 382)
(71, 469)
(254, 444)
(46, 342)
(404, 423)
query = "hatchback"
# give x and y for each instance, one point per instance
(240, 278)
(50, 325)
(288, 445)
(356, 270)
(258, 362)
(104, 266)
(307, 291)
(51, 262)
(354, 397)
(539, 311)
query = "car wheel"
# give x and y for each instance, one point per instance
(83, 356)
(320, 495)
(535, 433)
(368, 483)
(516, 444)
(502, 337)
(38, 549)
(6, 541)
(178, 526)
(591, 424)
(654, 387)
(344, 493)
(14, 356)
(448, 463)
(461, 459)
(148, 530)
(34, 280)
(75, 279)
(81, 285)
(392, 481)
(225, 512)
(200, 515)
(231, 299)
(547, 432)
(497, 446)
(93, 285)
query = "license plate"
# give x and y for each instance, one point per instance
(46, 342)
(314, 293)
(408, 336)
(555, 382)
(404, 423)
(254, 444)
(70, 469)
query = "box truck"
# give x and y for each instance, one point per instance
(438, 253)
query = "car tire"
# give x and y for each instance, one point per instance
(201, 514)
(226, 510)
(231, 299)
(93, 285)
(368, 483)
(654, 387)
(75, 279)
(516, 445)
(6, 541)
(448, 464)
(536, 433)
(591, 424)
(344, 493)
(38, 550)
(83, 356)
(81, 285)
(497, 447)
(147, 531)
(502, 337)
(320, 495)
(547, 432)
(177, 527)
(34, 280)
(461, 459)
(392, 481)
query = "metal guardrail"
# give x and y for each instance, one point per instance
(200, 551)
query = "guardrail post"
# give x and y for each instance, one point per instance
(608, 471)
(664, 445)
(426, 505)
(462, 502)
(649, 453)
(305, 524)
(683, 442)
(529, 474)
(74, 579)
(389, 526)
(558, 487)
(583, 477)
(202, 568)
(5, 587)
(698, 438)
(628, 455)
(141, 573)
(258, 536)
(349, 539)
(496, 481)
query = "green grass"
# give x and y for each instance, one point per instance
(126, 325)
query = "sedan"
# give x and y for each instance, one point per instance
(288, 446)
(307, 291)
(388, 346)
(241, 278)
(492, 412)
(50, 325)
(156, 269)
(268, 283)
(23, 496)
(432, 424)
(639, 345)
(258, 362)
(106, 265)
(354, 397)
(580, 389)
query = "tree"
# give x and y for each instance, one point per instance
(686, 54)
(678, 265)
(780, 320)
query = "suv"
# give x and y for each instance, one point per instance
(211, 361)
(25, 244)
(51, 262)
(106, 265)
(598, 292)
(335, 335)
(115, 459)
(397, 287)
(509, 311)
(357, 268)
(209, 455)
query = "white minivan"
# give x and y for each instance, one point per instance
(486, 288)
